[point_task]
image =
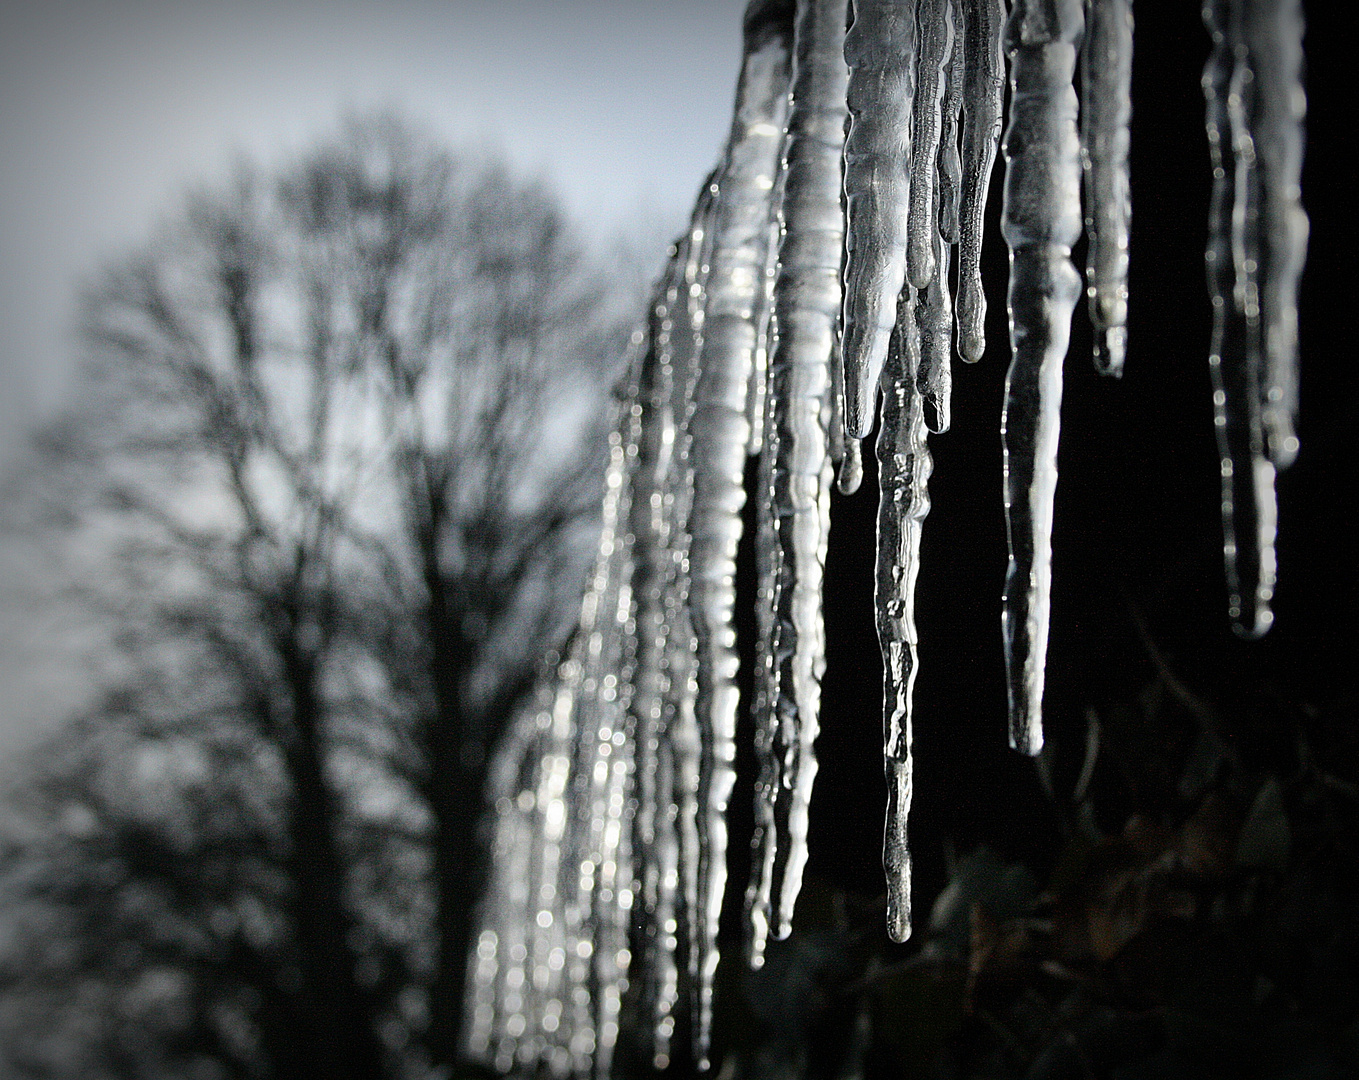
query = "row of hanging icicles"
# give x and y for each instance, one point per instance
(610, 835)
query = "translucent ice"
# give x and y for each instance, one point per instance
(904, 466)
(807, 308)
(983, 95)
(1040, 222)
(1106, 108)
(880, 48)
(719, 435)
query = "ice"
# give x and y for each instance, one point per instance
(983, 95)
(880, 49)
(934, 316)
(934, 29)
(851, 468)
(764, 325)
(807, 307)
(719, 439)
(1273, 39)
(1106, 109)
(595, 792)
(1261, 43)
(949, 180)
(679, 716)
(795, 473)
(1040, 222)
(904, 466)
(652, 527)
(1248, 500)
(611, 792)
(769, 783)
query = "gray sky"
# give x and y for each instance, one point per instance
(110, 109)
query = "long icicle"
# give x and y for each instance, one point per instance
(880, 49)
(1106, 110)
(807, 308)
(904, 466)
(563, 905)
(720, 435)
(769, 781)
(595, 879)
(934, 27)
(934, 313)
(1248, 506)
(949, 176)
(678, 716)
(651, 524)
(764, 325)
(497, 965)
(1040, 222)
(1273, 36)
(983, 96)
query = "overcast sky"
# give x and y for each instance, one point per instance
(110, 109)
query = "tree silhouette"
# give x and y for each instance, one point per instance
(336, 460)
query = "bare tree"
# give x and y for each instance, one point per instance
(337, 451)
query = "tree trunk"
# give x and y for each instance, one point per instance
(456, 800)
(338, 1016)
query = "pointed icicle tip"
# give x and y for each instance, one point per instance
(896, 851)
(851, 467)
(1111, 347)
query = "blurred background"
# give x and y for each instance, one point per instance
(288, 535)
(110, 112)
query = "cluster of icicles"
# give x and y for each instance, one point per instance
(783, 311)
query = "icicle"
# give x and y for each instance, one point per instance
(1257, 236)
(680, 749)
(594, 863)
(651, 526)
(769, 782)
(1273, 37)
(836, 432)
(719, 439)
(669, 870)
(1248, 506)
(903, 470)
(1106, 108)
(555, 957)
(845, 453)
(949, 175)
(613, 896)
(934, 315)
(497, 963)
(934, 378)
(880, 49)
(567, 926)
(764, 326)
(662, 970)
(1040, 222)
(807, 306)
(681, 721)
(983, 95)
(934, 25)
